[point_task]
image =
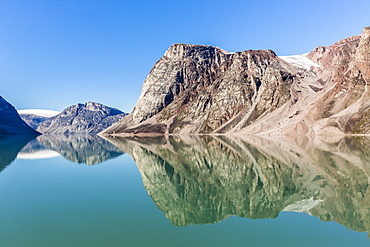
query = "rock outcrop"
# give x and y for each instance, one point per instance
(90, 117)
(203, 180)
(10, 121)
(195, 89)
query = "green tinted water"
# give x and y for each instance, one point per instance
(183, 192)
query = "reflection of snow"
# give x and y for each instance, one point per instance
(39, 112)
(42, 154)
(300, 61)
(303, 206)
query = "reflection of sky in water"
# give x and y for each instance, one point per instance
(47, 202)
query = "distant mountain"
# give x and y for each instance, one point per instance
(90, 117)
(10, 121)
(34, 117)
(199, 89)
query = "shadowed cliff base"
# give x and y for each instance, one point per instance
(203, 180)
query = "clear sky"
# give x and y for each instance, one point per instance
(57, 53)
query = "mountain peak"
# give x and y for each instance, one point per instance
(90, 117)
(181, 51)
(199, 89)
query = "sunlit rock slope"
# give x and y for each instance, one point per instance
(197, 89)
(90, 117)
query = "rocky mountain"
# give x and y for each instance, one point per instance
(196, 89)
(90, 117)
(11, 123)
(204, 179)
(32, 120)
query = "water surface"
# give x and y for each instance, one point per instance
(210, 191)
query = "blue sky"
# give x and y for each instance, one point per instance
(56, 53)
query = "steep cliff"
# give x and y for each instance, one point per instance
(11, 123)
(202, 89)
(90, 117)
(195, 89)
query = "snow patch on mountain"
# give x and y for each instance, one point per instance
(301, 61)
(38, 112)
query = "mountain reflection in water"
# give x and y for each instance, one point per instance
(10, 146)
(87, 149)
(203, 180)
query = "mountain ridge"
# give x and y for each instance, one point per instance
(90, 117)
(196, 89)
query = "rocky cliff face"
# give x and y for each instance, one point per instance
(90, 117)
(204, 180)
(196, 89)
(11, 123)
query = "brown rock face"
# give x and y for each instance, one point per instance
(362, 61)
(343, 107)
(195, 89)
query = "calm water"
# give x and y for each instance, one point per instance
(87, 191)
